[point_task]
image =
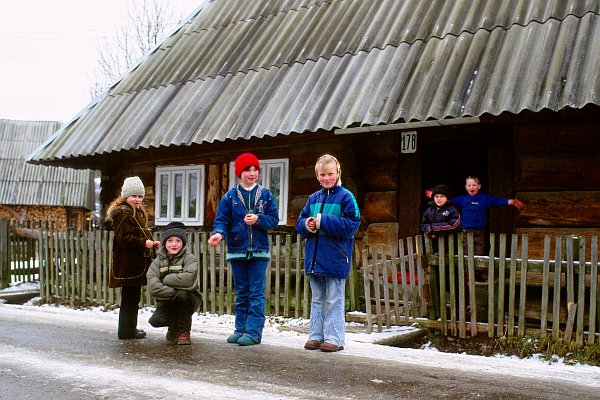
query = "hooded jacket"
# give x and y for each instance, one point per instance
(329, 250)
(130, 258)
(229, 221)
(167, 274)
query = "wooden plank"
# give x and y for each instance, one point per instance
(442, 285)
(414, 301)
(462, 308)
(287, 276)
(501, 288)
(376, 291)
(472, 293)
(545, 287)
(569, 209)
(367, 286)
(511, 288)
(277, 267)
(395, 291)
(570, 321)
(402, 259)
(453, 289)
(421, 276)
(386, 293)
(213, 279)
(523, 286)
(569, 171)
(299, 276)
(491, 292)
(580, 294)
(593, 291)
(556, 302)
(221, 289)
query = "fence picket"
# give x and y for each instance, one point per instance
(523, 285)
(593, 290)
(557, 279)
(580, 294)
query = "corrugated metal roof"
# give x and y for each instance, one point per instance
(240, 69)
(25, 184)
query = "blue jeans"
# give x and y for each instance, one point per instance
(249, 281)
(327, 319)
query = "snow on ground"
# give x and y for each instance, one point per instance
(212, 326)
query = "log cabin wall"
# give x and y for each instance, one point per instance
(557, 174)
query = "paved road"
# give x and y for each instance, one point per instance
(53, 358)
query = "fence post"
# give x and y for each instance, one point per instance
(4, 254)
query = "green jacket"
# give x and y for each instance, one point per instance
(166, 274)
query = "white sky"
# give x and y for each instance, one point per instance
(49, 52)
(357, 344)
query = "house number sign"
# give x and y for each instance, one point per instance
(409, 142)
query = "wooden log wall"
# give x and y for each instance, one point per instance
(558, 178)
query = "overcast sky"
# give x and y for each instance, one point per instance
(49, 52)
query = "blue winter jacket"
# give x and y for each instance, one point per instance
(329, 250)
(229, 221)
(473, 209)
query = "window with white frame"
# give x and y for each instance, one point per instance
(179, 195)
(273, 176)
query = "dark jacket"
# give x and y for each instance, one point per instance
(444, 219)
(229, 221)
(329, 250)
(167, 274)
(130, 258)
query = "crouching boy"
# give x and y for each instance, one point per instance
(172, 282)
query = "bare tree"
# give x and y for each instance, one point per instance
(148, 21)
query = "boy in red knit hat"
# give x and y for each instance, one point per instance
(244, 216)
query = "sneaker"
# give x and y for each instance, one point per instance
(312, 344)
(233, 338)
(330, 347)
(171, 335)
(245, 340)
(184, 338)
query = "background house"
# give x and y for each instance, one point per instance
(405, 93)
(59, 195)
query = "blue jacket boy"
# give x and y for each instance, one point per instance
(329, 251)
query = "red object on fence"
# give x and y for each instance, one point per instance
(407, 280)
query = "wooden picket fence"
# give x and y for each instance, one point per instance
(403, 284)
(501, 295)
(72, 267)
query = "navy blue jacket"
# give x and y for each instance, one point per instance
(473, 209)
(229, 221)
(329, 250)
(444, 219)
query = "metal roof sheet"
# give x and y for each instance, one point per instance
(26, 184)
(240, 69)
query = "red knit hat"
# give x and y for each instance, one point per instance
(244, 161)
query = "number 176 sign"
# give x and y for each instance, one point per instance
(409, 142)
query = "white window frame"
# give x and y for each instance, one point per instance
(169, 172)
(266, 166)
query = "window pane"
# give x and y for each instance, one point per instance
(192, 195)
(178, 187)
(275, 182)
(164, 196)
